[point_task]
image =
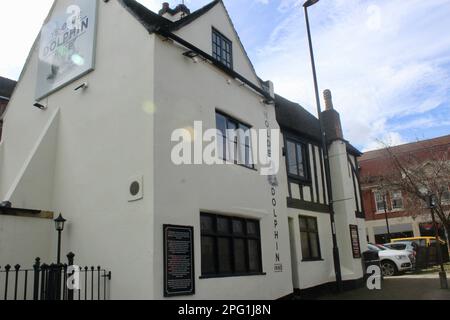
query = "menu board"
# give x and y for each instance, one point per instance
(178, 261)
(354, 235)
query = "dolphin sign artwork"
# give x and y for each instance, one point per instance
(67, 45)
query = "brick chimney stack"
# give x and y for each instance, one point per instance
(176, 14)
(331, 119)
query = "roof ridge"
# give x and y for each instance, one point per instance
(296, 103)
(194, 15)
(413, 143)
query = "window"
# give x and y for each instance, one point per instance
(398, 246)
(379, 201)
(230, 246)
(222, 48)
(309, 237)
(234, 141)
(397, 200)
(296, 159)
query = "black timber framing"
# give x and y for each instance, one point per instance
(359, 204)
(305, 205)
(316, 176)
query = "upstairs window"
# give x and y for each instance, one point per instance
(222, 48)
(296, 160)
(379, 202)
(234, 141)
(397, 200)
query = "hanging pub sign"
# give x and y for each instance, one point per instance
(356, 248)
(67, 45)
(179, 271)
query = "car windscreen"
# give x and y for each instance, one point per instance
(373, 248)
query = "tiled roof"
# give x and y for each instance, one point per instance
(153, 21)
(6, 87)
(407, 148)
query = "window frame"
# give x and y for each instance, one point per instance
(223, 155)
(378, 211)
(216, 33)
(215, 234)
(393, 198)
(309, 233)
(306, 179)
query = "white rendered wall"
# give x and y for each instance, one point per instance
(186, 92)
(345, 210)
(105, 137)
(199, 34)
(314, 273)
(24, 239)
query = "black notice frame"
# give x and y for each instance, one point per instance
(356, 247)
(189, 289)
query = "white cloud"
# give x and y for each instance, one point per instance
(381, 61)
(387, 139)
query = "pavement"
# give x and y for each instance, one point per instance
(405, 287)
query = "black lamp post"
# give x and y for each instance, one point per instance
(442, 273)
(59, 226)
(336, 258)
(387, 219)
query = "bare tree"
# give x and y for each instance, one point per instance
(418, 175)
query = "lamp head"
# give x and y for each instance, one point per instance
(310, 3)
(59, 223)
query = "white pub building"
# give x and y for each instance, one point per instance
(89, 133)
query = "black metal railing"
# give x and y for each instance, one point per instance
(54, 282)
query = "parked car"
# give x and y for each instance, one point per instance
(409, 246)
(421, 241)
(392, 261)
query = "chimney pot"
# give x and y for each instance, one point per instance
(328, 100)
(331, 119)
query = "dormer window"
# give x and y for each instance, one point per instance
(222, 48)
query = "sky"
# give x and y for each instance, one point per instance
(387, 62)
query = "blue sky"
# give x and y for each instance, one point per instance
(387, 62)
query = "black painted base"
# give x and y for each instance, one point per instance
(323, 289)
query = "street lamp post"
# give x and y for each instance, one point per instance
(442, 273)
(59, 226)
(336, 258)
(387, 220)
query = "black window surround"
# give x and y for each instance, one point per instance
(236, 149)
(309, 234)
(230, 246)
(222, 48)
(297, 160)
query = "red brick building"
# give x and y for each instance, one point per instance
(6, 89)
(401, 222)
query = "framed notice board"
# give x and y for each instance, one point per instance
(179, 270)
(354, 236)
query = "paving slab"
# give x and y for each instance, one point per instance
(424, 287)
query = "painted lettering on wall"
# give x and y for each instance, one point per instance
(273, 182)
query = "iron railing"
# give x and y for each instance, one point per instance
(51, 282)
